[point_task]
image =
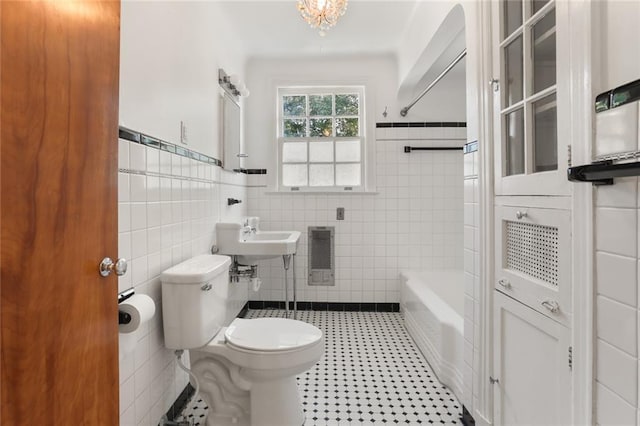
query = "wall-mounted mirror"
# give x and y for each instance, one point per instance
(231, 149)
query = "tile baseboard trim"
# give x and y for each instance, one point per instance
(467, 418)
(180, 403)
(327, 306)
(244, 311)
(422, 124)
(251, 171)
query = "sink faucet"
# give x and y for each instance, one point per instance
(246, 229)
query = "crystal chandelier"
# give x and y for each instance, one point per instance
(322, 14)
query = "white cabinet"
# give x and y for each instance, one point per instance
(531, 366)
(531, 97)
(533, 258)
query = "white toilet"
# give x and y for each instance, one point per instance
(246, 369)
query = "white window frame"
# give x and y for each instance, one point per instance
(362, 125)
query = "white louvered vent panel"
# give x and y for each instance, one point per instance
(533, 250)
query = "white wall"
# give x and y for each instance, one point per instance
(170, 53)
(415, 221)
(428, 47)
(167, 209)
(376, 73)
(168, 204)
(426, 20)
(617, 239)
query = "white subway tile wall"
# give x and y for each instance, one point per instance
(167, 209)
(472, 280)
(617, 304)
(414, 221)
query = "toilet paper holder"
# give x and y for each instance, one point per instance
(124, 317)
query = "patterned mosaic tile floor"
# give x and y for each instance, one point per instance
(371, 373)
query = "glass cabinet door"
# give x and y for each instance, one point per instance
(527, 67)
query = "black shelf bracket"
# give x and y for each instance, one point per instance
(602, 172)
(408, 149)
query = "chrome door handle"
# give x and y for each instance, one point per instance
(504, 283)
(107, 266)
(551, 305)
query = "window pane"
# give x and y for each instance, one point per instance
(321, 175)
(294, 152)
(320, 127)
(294, 174)
(348, 151)
(515, 142)
(513, 70)
(537, 5)
(294, 105)
(295, 127)
(321, 152)
(545, 134)
(320, 105)
(347, 104)
(347, 127)
(348, 174)
(512, 16)
(544, 52)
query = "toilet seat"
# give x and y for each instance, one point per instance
(271, 334)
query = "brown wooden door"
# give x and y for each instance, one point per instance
(59, 130)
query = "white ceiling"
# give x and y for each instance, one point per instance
(275, 28)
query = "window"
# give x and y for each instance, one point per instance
(320, 135)
(529, 110)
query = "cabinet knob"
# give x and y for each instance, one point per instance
(504, 283)
(551, 305)
(520, 214)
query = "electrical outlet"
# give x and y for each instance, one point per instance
(340, 213)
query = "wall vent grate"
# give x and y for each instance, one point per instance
(533, 250)
(321, 255)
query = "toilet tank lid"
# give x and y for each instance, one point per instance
(197, 270)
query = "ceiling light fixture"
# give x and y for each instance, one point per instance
(322, 14)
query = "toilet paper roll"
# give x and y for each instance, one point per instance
(140, 307)
(256, 283)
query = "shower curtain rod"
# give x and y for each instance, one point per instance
(405, 110)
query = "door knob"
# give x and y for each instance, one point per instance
(107, 266)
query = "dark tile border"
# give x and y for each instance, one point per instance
(141, 138)
(327, 306)
(422, 124)
(180, 403)
(467, 418)
(251, 171)
(618, 97)
(470, 147)
(243, 312)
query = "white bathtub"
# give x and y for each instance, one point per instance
(433, 306)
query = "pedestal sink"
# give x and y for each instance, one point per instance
(247, 245)
(251, 245)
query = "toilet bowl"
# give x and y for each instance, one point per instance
(245, 369)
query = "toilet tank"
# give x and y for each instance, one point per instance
(194, 300)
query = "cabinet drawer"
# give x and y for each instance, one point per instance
(533, 258)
